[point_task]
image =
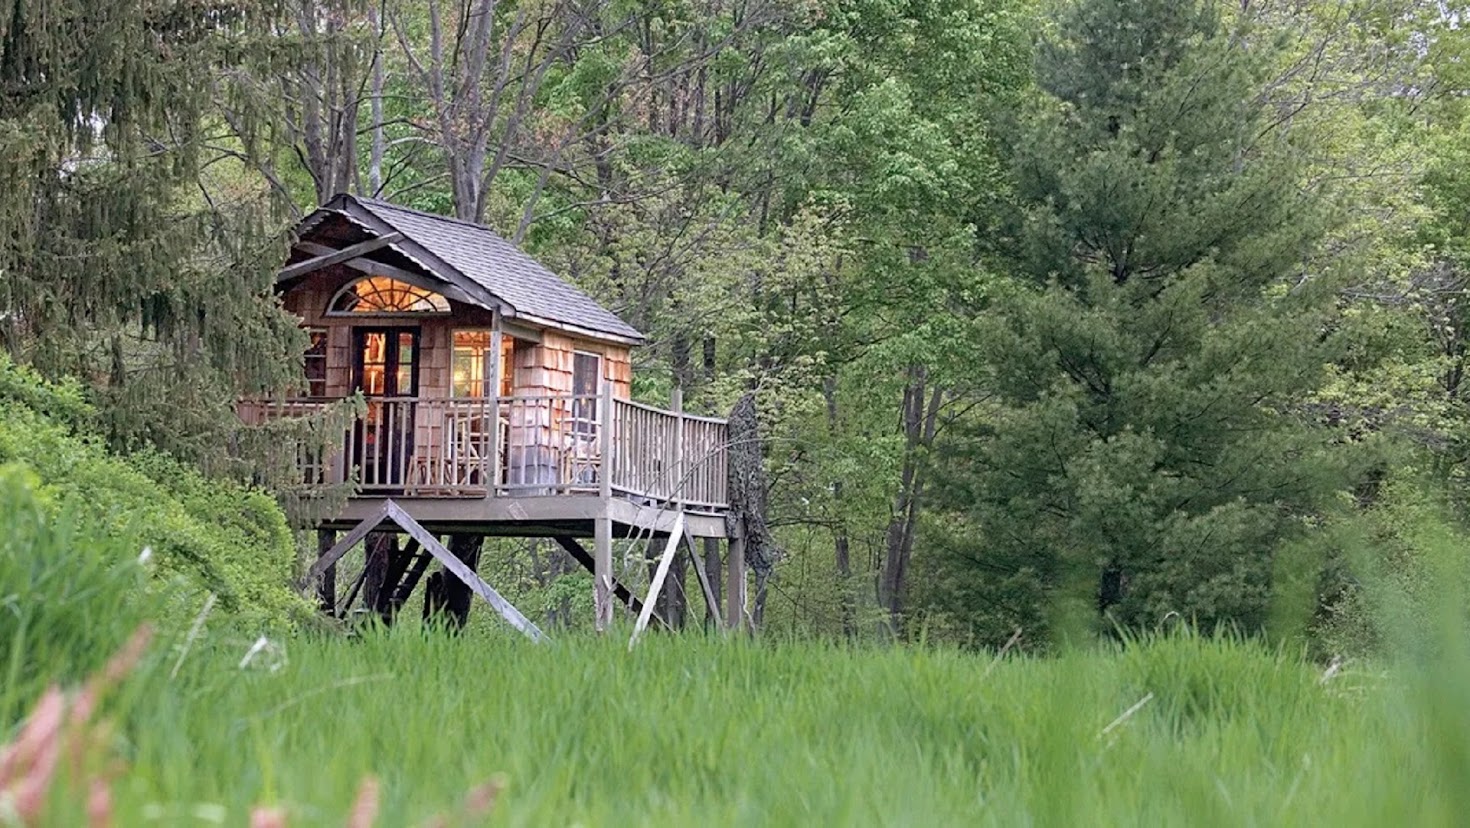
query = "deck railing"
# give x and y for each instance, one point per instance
(519, 446)
(668, 455)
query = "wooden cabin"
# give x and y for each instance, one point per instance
(498, 396)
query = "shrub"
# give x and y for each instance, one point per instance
(204, 535)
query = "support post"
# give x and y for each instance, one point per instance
(735, 585)
(709, 581)
(602, 574)
(676, 486)
(493, 400)
(602, 571)
(712, 609)
(326, 590)
(656, 584)
(605, 445)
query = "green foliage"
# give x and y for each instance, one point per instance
(1138, 444)
(1399, 565)
(112, 268)
(66, 599)
(211, 536)
(1176, 729)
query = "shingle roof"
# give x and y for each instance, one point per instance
(498, 266)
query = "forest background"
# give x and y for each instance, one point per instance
(1062, 317)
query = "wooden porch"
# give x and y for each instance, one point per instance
(514, 451)
(565, 467)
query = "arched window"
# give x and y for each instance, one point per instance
(380, 294)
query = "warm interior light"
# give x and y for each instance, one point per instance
(381, 294)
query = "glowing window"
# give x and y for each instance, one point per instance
(472, 367)
(380, 294)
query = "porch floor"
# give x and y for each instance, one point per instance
(569, 515)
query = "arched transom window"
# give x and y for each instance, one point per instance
(381, 294)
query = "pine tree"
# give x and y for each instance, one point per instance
(1143, 451)
(115, 263)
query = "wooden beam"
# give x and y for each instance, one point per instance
(583, 557)
(458, 569)
(411, 580)
(397, 567)
(432, 281)
(521, 332)
(327, 588)
(341, 612)
(602, 572)
(358, 533)
(336, 257)
(711, 600)
(735, 588)
(659, 575)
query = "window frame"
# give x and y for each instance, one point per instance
(434, 296)
(485, 376)
(309, 356)
(581, 423)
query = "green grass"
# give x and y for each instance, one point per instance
(702, 731)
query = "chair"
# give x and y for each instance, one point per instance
(581, 456)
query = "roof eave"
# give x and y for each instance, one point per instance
(579, 330)
(421, 255)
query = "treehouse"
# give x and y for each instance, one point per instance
(497, 396)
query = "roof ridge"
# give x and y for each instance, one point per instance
(426, 214)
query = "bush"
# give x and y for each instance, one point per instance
(204, 535)
(65, 603)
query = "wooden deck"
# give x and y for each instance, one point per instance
(488, 460)
(574, 515)
(563, 467)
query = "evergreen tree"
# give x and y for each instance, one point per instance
(1142, 449)
(115, 265)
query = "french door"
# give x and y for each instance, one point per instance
(386, 370)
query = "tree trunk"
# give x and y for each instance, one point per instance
(379, 144)
(326, 591)
(920, 420)
(379, 548)
(841, 541)
(456, 593)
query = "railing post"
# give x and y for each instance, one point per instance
(676, 487)
(602, 588)
(492, 472)
(605, 442)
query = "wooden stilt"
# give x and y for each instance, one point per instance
(602, 572)
(327, 589)
(457, 594)
(381, 550)
(580, 554)
(709, 583)
(735, 586)
(657, 583)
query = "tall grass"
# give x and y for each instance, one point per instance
(1176, 728)
(697, 730)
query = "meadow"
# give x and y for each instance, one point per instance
(252, 714)
(1178, 729)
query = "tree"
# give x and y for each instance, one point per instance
(117, 264)
(1140, 445)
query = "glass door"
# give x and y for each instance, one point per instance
(385, 370)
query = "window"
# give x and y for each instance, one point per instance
(586, 384)
(316, 363)
(472, 369)
(380, 294)
(386, 361)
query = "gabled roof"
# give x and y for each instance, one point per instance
(497, 273)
